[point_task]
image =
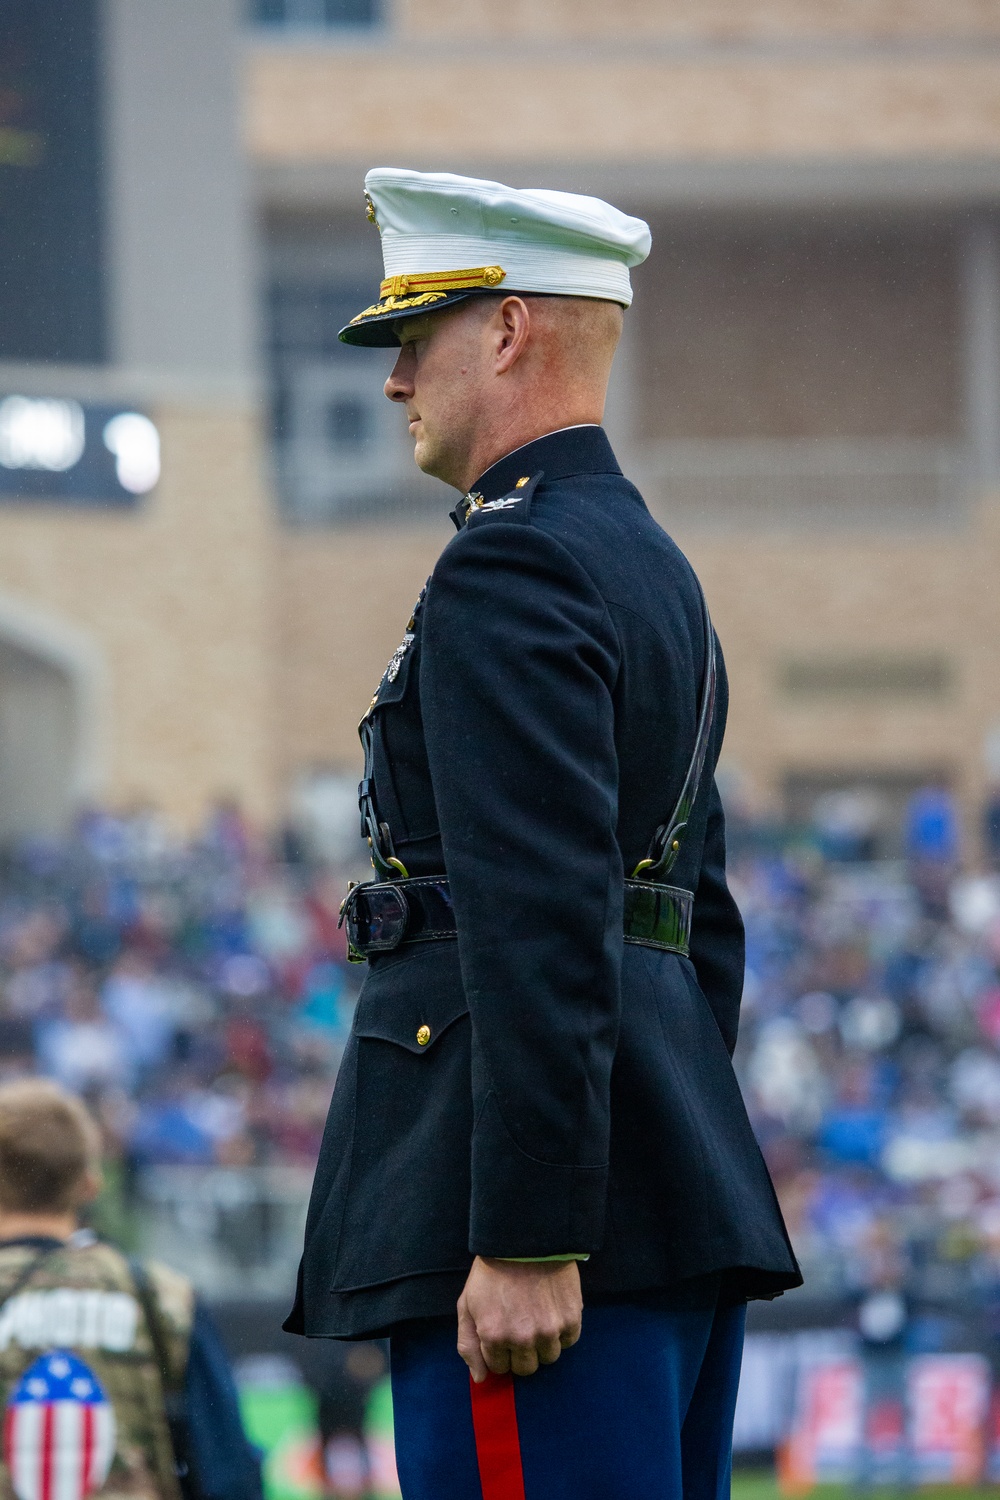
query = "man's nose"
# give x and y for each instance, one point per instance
(399, 386)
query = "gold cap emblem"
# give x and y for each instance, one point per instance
(370, 211)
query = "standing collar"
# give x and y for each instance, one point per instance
(561, 454)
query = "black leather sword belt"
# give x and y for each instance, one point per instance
(381, 915)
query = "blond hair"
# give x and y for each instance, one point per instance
(48, 1144)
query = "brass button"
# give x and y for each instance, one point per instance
(522, 482)
(423, 1036)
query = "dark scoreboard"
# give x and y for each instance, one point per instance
(51, 211)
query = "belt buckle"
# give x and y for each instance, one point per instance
(376, 914)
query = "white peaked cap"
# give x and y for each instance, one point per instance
(445, 237)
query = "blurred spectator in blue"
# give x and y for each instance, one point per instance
(931, 836)
(883, 1319)
(931, 826)
(991, 826)
(143, 1007)
(82, 1049)
(227, 832)
(849, 823)
(189, 1125)
(96, 935)
(323, 994)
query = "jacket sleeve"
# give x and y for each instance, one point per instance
(517, 670)
(228, 1468)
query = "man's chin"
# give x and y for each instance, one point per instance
(426, 456)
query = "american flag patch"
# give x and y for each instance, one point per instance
(59, 1430)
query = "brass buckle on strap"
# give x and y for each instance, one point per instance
(376, 914)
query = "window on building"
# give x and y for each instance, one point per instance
(326, 14)
(341, 450)
(349, 423)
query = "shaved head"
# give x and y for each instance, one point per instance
(481, 379)
(577, 333)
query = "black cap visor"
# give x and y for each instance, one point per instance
(375, 328)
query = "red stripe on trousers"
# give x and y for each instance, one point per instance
(498, 1447)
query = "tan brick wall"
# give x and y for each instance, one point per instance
(884, 595)
(829, 329)
(386, 104)
(347, 595)
(176, 597)
(716, 20)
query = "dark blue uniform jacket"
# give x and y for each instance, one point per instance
(576, 1094)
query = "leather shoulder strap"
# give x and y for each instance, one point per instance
(665, 845)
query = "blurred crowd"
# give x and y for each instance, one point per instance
(196, 994)
(869, 1053)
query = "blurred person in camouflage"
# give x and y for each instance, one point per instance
(113, 1379)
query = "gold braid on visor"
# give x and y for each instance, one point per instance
(424, 289)
(479, 278)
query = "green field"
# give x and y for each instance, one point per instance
(754, 1485)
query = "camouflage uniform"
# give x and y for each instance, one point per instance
(83, 1298)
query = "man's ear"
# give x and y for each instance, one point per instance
(513, 323)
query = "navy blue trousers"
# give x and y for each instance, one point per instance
(640, 1409)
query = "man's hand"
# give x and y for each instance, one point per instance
(517, 1317)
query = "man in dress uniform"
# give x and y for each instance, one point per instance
(536, 1121)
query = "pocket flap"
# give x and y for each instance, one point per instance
(412, 1001)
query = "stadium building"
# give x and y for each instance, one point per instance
(211, 530)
